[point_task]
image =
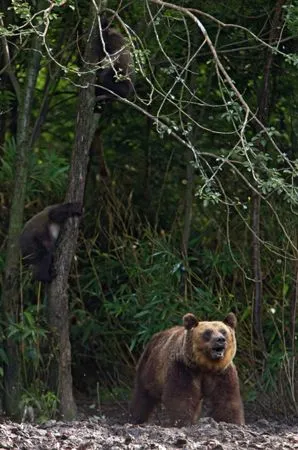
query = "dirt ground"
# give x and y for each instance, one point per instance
(108, 430)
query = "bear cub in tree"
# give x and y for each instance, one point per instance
(116, 73)
(39, 236)
(185, 365)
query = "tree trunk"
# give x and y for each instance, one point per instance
(189, 158)
(258, 284)
(10, 292)
(58, 296)
(263, 116)
(190, 169)
(292, 331)
(188, 200)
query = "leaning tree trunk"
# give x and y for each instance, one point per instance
(10, 292)
(263, 116)
(58, 297)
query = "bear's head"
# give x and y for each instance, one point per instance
(209, 345)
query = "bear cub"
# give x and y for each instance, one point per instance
(186, 365)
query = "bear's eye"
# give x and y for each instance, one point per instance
(207, 335)
(223, 331)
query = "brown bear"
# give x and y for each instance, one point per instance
(183, 366)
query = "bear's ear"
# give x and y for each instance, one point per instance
(190, 321)
(231, 320)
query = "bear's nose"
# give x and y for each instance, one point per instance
(221, 340)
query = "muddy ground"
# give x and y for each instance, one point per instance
(108, 430)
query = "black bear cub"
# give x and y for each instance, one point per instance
(39, 236)
(116, 73)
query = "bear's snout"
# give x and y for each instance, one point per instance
(218, 347)
(220, 340)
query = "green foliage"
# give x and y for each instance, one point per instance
(31, 336)
(3, 357)
(151, 298)
(6, 100)
(22, 9)
(44, 403)
(292, 16)
(27, 331)
(47, 173)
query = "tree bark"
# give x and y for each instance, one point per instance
(292, 331)
(57, 293)
(188, 200)
(10, 292)
(257, 269)
(189, 158)
(263, 116)
(190, 169)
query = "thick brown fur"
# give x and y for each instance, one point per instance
(185, 365)
(116, 73)
(39, 236)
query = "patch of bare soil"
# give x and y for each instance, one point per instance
(101, 433)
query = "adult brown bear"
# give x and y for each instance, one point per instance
(183, 366)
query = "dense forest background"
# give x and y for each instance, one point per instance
(190, 193)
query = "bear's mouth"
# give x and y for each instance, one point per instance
(218, 351)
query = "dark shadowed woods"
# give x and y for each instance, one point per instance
(188, 189)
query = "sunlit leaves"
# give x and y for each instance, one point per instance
(22, 9)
